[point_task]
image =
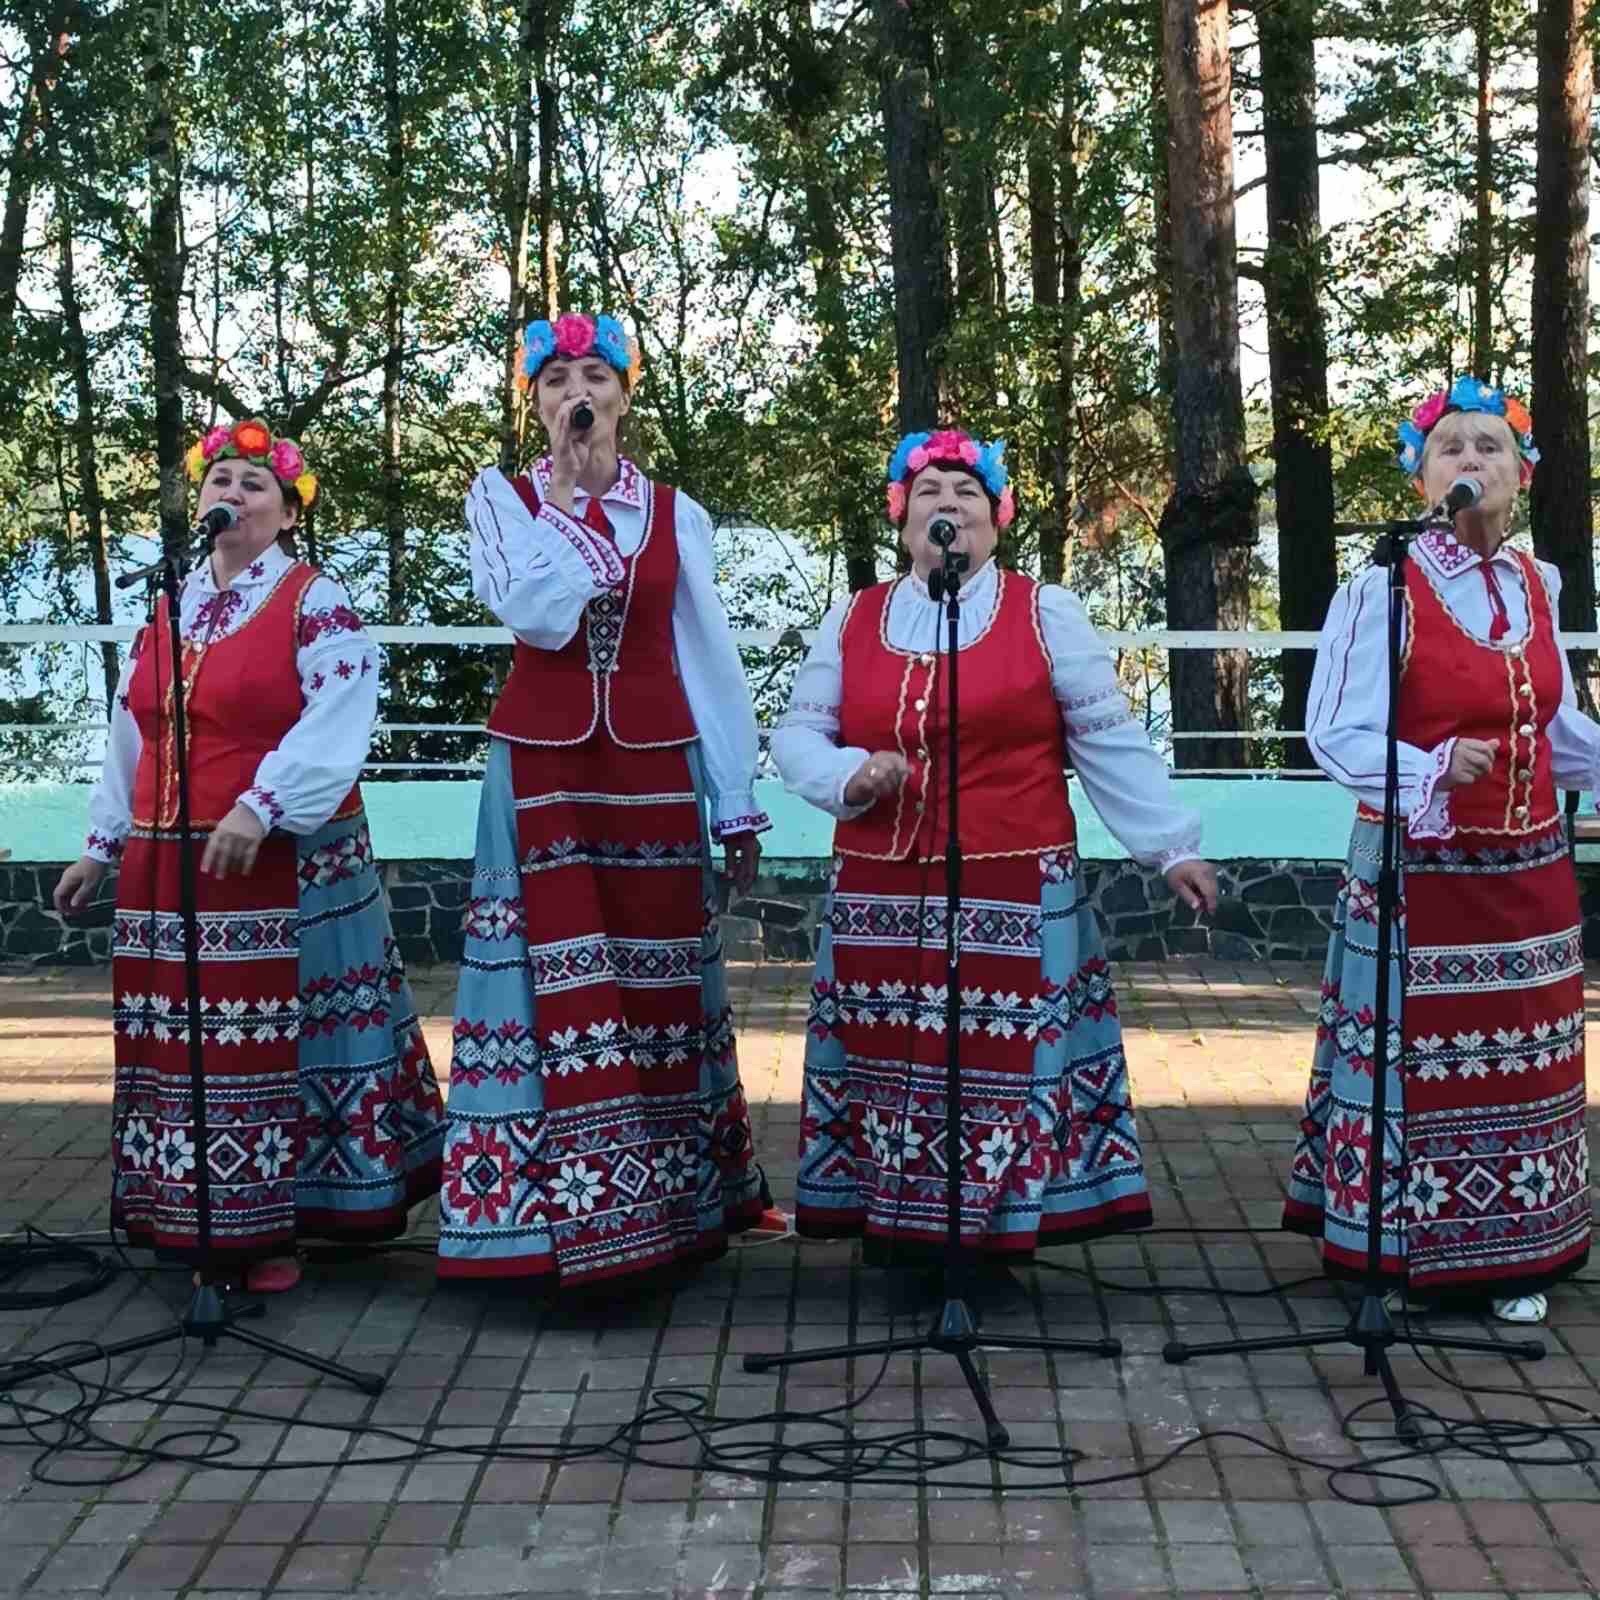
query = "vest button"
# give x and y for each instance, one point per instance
(919, 705)
(1522, 811)
(1523, 774)
(1526, 730)
(925, 659)
(922, 755)
(1526, 691)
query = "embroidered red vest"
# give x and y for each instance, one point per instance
(1013, 787)
(619, 671)
(241, 696)
(1454, 685)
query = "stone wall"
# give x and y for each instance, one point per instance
(1275, 910)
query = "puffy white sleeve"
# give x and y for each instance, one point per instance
(1347, 710)
(713, 680)
(805, 744)
(1574, 737)
(536, 574)
(299, 785)
(1123, 774)
(111, 803)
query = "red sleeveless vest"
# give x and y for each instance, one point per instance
(1454, 685)
(1013, 787)
(241, 696)
(619, 671)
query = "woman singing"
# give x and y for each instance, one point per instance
(1051, 1153)
(597, 1125)
(1485, 1152)
(322, 1111)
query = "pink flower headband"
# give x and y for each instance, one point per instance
(1467, 394)
(950, 447)
(253, 440)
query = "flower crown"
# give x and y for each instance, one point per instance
(574, 336)
(1466, 394)
(952, 448)
(254, 441)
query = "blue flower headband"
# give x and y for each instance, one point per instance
(954, 448)
(572, 337)
(1466, 394)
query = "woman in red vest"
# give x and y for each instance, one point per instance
(1051, 1151)
(322, 1111)
(597, 1125)
(1487, 1164)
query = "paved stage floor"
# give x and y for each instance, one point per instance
(1218, 1056)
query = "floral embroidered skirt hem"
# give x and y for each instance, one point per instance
(322, 1112)
(598, 1128)
(1486, 1187)
(1050, 1152)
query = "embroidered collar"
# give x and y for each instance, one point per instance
(978, 584)
(1449, 557)
(628, 490)
(267, 568)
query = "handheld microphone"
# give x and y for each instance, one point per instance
(218, 519)
(582, 416)
(942, 532)
(1462, 494)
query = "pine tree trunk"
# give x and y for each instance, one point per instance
(518, 212)
(917, 226)
(1044, 250)
(544, 80)
(31, 117)
(1563, 522)
(1297, 345)
(1483, 182)
(83, 437)
(1209, 523)
(394, 331)
(1161, 205)
(162, 62)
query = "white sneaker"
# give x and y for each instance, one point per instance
(1522, 1308)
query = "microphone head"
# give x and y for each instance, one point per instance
(942, 531)
(582, 416)
(1465, 492)
(225, 514)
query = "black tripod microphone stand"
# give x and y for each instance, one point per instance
(206, 1317)
(1371, 1328)
(954, 1331)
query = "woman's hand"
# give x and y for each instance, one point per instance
(570, 449)
(233, 844)
(1470, 760)
(76, 886)
(877, 776)
(1194, 883)
(741, 855)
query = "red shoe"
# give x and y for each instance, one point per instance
(276, 1276)
(773, 1221)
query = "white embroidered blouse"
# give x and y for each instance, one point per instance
(1348, 705)
(1124, 777)
(299, 785)
(536, 574)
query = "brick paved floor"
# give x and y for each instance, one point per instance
(1218, 1057)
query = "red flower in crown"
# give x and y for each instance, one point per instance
(574, 335)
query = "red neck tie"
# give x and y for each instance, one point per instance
(1499, 622)
(594, 516)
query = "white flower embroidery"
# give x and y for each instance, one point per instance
(273, 1152)
(995, 1153)
(1428, 1191)
(137, 1144)
(1532, 1181)
(577, 1188)
(175, 1154)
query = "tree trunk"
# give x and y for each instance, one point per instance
(1209, 523)
(1161, 207)
(518, 210)
(162, 61)
(394, 321)
(83, 438)
(917, 227)
(544, 80)
(974, 285)
(1483, 233)
(1297, 345)
(1563, 524)
(1044, 252)
(31, 117)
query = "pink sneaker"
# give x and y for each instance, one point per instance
(276, 1276)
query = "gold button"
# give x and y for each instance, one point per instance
(922, 755)
(925, 659)
(1522, 811)
(1526, 730)
(1523, 774)
(1526, 690)
(921, 705)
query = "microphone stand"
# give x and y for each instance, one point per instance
(954, 1331)
(206, 1317)
(1371, 1328)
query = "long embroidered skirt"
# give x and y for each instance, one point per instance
(597, 1123)
(1486, 1163)
(1050, 1152)
(323, 1115)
